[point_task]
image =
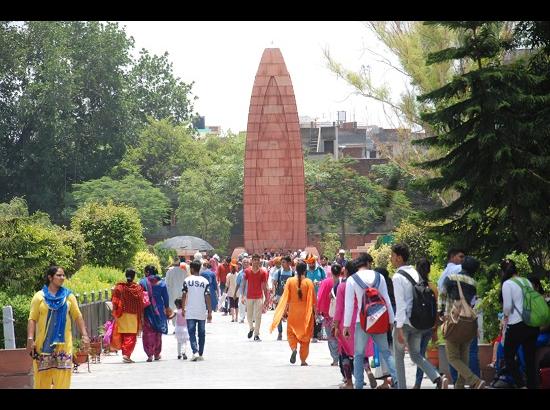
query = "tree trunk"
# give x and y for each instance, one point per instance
(343, 233)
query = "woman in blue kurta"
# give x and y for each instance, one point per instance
(154, 316)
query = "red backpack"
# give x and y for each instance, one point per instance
(374, 316)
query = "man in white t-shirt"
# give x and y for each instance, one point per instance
(404, 334)
(196, 308)
(455, 257)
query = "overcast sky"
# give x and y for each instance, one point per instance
(222, 58)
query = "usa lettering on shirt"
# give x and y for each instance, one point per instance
(194, 283)
(196, 288)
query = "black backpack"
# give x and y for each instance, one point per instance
(424, 307)
(280, 289)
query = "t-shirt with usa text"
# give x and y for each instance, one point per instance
(196, 287)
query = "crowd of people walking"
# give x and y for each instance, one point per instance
(369, 319)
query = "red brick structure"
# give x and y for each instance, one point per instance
(274, 193)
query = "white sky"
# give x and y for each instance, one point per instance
(222, 58)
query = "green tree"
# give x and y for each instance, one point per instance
(330, 244)
(399, 188)
(211, 190)
(155, 91)
(416, 238)
(490, 124)
(204, 211)
(163, 151)
(68, 113)
(152, 205)
(407, 46)
(338, 197)
(114, 233)
(166, 256)
(62, 111)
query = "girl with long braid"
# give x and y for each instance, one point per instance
(297, 304)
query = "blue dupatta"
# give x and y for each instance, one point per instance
(153, 312)
(57, 318)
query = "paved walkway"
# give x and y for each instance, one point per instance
(231, 361)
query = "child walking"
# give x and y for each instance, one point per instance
(182, 336)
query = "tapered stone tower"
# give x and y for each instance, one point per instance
(274, 193)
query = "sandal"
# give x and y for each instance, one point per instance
(372, 380)
(480, 385)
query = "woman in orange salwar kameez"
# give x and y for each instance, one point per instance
(297, 304)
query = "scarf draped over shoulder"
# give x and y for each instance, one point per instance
(57, 318)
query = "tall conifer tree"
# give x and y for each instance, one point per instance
(492, 123)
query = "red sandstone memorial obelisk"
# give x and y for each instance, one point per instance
(274, 193)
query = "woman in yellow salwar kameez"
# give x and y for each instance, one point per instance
(49, 337)
(297, 304)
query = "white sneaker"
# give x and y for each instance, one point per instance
(200, 359)
(195, 357)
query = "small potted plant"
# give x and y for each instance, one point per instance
(79, 356)
(96, 343)
(432, 353)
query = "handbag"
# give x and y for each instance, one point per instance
(461, 325)
(332, 305)
(146, 299)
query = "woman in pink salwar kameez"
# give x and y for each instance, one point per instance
(346, 345)
(325, 297)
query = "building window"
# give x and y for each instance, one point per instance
(372, 154)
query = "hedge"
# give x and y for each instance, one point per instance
(21, 306)
(113, 233)
(142, 259)
(94, 278)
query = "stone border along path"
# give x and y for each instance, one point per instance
(231, 361)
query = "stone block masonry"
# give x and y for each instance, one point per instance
(274, 189)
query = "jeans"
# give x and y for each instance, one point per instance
(280, 327)
(332, 341)
(423, 347)
(360, 342)
(191, 326)
(473, 362)
(412, 339)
